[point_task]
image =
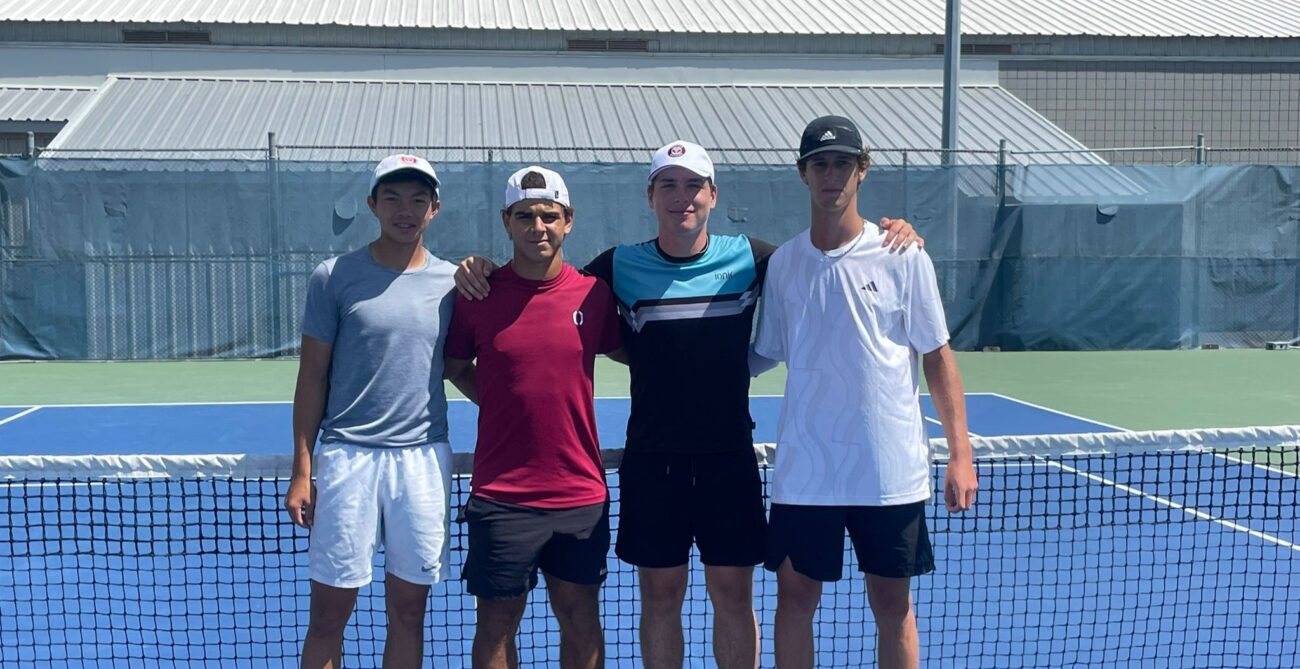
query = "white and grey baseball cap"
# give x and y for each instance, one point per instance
(402, 162)
(681, 153)
(553, 188)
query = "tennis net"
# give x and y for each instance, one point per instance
(1127, 549)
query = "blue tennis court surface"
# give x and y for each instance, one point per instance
(1134, 560)
(263, 427)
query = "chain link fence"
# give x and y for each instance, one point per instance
(110, 258)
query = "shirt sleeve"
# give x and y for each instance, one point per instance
(611, 331)
(460, 335)
(762, 253)
(770, 340)
(602, 267)
(923, 318)
(320, 318)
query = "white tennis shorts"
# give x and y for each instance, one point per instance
(369, 496)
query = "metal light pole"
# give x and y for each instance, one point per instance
(951, 86)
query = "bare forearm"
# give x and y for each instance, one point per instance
(308, 408)
(944, 380)
(464, 375)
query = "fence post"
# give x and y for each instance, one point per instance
(277, 340)
(907, 211)
(30, 151)
(1200, 148)
(1002, 172)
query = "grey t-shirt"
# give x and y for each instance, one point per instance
(387, 330)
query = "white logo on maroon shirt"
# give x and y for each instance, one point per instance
(577, 317)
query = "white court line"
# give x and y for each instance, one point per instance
(1267, 468)
(1123, 429)
(117, 405)
(1201, 515)
(1057, 412)
(922, 395)
(235, 403)
(18, 415)
(148, 404)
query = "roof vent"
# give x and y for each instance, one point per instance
(625, 45)
(979, 49)
(166, 37)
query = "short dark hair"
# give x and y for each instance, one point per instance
(405, 176)
(532, 180)
(864, 160)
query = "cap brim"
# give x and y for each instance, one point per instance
(838, 148)
(431, 179)
(664, 167)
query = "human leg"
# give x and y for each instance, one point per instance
(892, 544)
(805, 547)
(897, 643)
(330, 609)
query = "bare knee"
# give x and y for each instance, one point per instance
(796, 594)
(499, 618)
(330, 610)
(406, 603)
(890, 598)
(576, 607)
(731, 589)
(663, 590)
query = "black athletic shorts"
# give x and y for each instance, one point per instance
(508, 543)
(669, 501)
(889, 541)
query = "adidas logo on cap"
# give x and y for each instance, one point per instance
(830, 133)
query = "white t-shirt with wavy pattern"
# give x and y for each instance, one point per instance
(850, 325)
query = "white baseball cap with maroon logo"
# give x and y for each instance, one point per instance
(681, 153)
(403, 162)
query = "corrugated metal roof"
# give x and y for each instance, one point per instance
(40, 103)
(1154, 18)
(170, 118)
(606, 122)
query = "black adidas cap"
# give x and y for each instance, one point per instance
(830, 133)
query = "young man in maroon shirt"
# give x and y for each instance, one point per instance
(538, 496)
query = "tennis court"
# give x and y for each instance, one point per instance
(1089, 546)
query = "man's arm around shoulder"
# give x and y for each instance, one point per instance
(463, 375)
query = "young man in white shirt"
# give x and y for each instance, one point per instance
(850, 320)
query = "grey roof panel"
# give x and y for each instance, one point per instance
(41, 103)
(169, 118)
(1154, 18)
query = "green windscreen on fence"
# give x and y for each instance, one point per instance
(156, 259)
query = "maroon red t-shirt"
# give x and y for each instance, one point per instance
(536, 343)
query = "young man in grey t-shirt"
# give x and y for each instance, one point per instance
(370, 386)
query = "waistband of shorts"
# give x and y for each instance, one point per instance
(372, 447)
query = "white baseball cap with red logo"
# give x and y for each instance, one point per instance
(400, 163)
(681, 153)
